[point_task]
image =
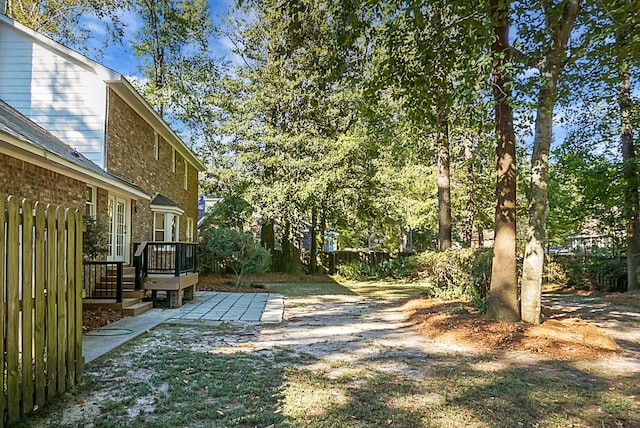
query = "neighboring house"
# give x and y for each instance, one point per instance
(153, 195)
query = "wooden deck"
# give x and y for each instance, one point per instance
(178, 288)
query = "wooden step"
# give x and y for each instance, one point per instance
(133, 294)
(109, 303)
(137, 309)
(126, 270)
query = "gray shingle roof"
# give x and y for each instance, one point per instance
(163, 201)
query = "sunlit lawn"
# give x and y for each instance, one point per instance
(379, 289)
(173, 376)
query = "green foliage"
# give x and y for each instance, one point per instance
(70, 22)
(95, 239)
(356, 271)
(456, 273)
(398, 267)
(229, 213)
(172, 42)
(591, 273)
(233, 249)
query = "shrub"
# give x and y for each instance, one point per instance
(95, 239)
(399, 267)
(456, 273)
(355, 271)
(233, 249)
(591, 272)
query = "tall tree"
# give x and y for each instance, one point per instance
(171, 32)
(62, 20)
(503, 302)
(559, 21)
(627, 41)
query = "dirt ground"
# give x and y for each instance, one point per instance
(586, 339)
(577, 324)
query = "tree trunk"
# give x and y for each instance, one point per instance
(267, 235)
(630, 170)
(406, 240)
(286, 247)
(534, 254)
(550, 69)
(467, 232)
(444, 189)
(314, 241)
(503, 296)
(480, 236)
(630, 173)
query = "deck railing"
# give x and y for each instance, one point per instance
(175, 258)
(103, 280)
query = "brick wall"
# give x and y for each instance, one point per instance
(25, 180)
(130, 154)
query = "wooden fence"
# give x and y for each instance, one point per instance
(40, 304)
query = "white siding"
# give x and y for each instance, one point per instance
(57, 92)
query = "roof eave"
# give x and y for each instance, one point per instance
(45, 159)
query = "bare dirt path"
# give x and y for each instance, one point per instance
(620, 322)
(359, 360)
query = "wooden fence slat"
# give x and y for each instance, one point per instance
(61, 304)
(78, 295)
(27, 306)
(3, 218)
(70, 297)
(52, 293)
(13, 311)
(40, 305)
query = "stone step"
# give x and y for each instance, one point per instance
(137, 309)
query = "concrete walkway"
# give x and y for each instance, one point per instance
(208, 308)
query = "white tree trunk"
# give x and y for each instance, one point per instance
(550, 68)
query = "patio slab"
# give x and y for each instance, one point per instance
(207, 308)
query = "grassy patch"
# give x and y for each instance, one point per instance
(377, 289)
(458, 394)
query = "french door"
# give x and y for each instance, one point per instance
(118, 232)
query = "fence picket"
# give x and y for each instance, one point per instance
(40, 305)
(13, 310)
(70, 297)
(27, 306)
(78, 294)
(52, 293)
(61, 303)
(3, 219)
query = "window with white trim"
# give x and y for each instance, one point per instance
(90, 199)
(166, 226)
(156, 146)
(189, 230)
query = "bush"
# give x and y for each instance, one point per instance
(95, 239)
(456, 273)
(356, 270)
(593, 273)
(399, 267)
(233, 249)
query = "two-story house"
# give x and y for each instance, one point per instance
(154, 192)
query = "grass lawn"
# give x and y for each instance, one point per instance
(185, 376)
